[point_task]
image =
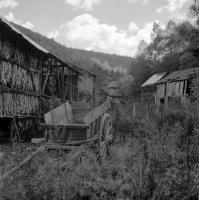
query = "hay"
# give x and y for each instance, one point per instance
(17, 104)
(11, 75)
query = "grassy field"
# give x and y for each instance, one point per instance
(154, 157)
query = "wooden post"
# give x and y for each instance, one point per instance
(11, 133)
(17, 133)
(134, 109)
(94, 91)
(62, 84)
(142, 93)
(40, 86)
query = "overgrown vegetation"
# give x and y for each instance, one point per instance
(156, 157)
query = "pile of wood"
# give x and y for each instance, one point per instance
(17, 104)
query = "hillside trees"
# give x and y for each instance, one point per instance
(172, 48)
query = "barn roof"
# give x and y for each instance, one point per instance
(180, 75)
(46, 45)
(153, 79)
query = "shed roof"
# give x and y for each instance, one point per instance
(113, 84)
(180, 75)
(45, 44)
(153, 79)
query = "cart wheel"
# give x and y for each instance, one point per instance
(105, 135)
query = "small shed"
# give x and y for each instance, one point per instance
(87, 82)
(149, 86)
(113, 89)
(175, 87)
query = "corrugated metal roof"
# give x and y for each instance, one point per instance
(153, 79)
(179, 75)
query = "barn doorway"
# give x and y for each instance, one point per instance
(5, 124)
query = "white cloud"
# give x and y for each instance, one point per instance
(88, 32)
(132, 27)
(53, 34)
(144, 2)
(83, 4)
(28, 25)
(8, 4)
(172, 5)
(10, 17)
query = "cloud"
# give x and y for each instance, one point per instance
(53, 34)
(144, 2)
(8, 4)
(10, 17)
(172, 5)
(28, 25)
(132, 27)
(83, 4)
(88, 32)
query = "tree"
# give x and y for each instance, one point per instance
(140, 69)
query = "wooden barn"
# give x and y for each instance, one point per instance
(148, 88)
(174, 89)
(87, 79)
(33, 70)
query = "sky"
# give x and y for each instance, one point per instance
(109, 26)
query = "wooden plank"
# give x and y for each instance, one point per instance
(67, 126)
(45, 82)
(68, 112)
(97, 112)
(59, 116)
(25, 161)
(74, 143)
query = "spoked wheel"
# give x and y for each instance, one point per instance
(105, 136)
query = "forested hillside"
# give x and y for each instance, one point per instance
(86, 59)
(107, 67)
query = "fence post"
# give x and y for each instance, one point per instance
(134, 109)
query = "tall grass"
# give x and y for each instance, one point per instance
(157, 159)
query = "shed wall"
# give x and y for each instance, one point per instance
(86, 84)
(161, 91)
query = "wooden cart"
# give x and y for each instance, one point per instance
(71, 125)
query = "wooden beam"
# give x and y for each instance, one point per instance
(24, 162)
(44, 84)
(68, 126)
